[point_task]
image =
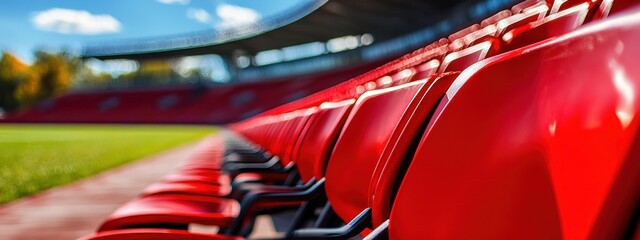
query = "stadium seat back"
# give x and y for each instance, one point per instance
(368, 129)
(552, 26)
(274, 130)
(561, 5)
(293, 134)
(484, 34)
(530, 4)
(426, 69)
(320, 138)
(282, 130)
(502, 22)
(550, 154)
(403, 76)
(520, 19)
(277, 130)
(427, 63)
(250, 130)
(457, 39)
(385, 81)
(460, 60)
(268, 131)
(608, 7)
(263, 128)
(397, 154)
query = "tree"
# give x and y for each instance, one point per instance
(12, 73)
(28, 91)
(54, 73)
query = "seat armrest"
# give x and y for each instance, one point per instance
(253, 198)
(353, 228)
(271, 166)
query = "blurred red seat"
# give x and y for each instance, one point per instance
(561, 5)
(529, 4)
(552, 26)
(426, 69)
(608, 7)
(497, 29)
(460, 60)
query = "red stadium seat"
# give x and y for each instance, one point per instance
(426, 69)
(173, 211)
(368, 133)
(502, 26)
(608, 7)
(313, 152)
(391, 167)
(457, 39)
(398, 78)
(561, 5)
(552, 26)
(529, 4)
(517, 20)
(539, 143)
(458, 61)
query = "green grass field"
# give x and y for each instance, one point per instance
(37, 157)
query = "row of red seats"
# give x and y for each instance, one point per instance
(526, 23)
(539, 142)
(218, 104)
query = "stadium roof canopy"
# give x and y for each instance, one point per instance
(311, 21)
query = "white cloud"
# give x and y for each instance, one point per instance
(232, 15)
(183, 2)
(71, 21)
(199, 15)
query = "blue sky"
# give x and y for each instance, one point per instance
(29, 24)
